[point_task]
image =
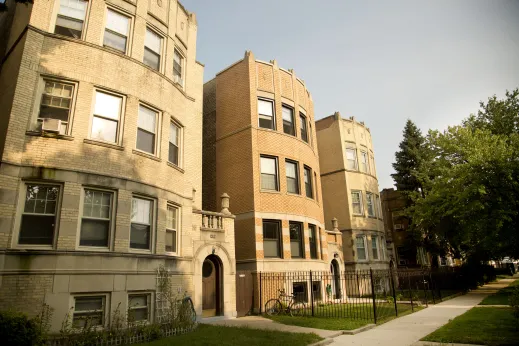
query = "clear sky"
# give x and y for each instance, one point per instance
(381, 61)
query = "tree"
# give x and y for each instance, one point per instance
(410, 163)
(3, 4)
(472, 205)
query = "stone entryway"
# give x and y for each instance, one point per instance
(211, 286)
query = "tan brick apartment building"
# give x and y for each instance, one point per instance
(260, 147)
(350, 190)
(101, 161)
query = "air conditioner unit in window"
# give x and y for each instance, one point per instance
(178, 80)
(51, 125)
(398, 226)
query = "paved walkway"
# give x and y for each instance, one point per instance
(407, 330)
(258, 322)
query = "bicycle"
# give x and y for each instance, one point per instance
(275, 306)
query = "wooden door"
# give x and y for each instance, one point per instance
(244, 293)
(208, 288)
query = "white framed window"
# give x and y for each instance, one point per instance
(360, 243)
(107, 117)
(356, 202)
(141, 224)
(373, 170)
(147, 125)
(117, 30)
(380, 214)
(351, 159)
(39, 218)
(139, 307)
(269, 173)
(297, 248)
(288, 120)
(364, 164)
(312, 241)
(55, 108)
(272, 238)
(178, 68)
(292, 174)
(89, 311)
(152, 49)
(310, 135)
(370, 204)
(308, 182)
(96, 219)
(175, 133)
(375, 247)
(266, 117)
(71, 18)
(303, 125)
(172, 222)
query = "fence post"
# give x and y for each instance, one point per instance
(312, 293)
(393, 288)
(410, 291)
(260, 295)
(424, 290)
(431, 284)
(373, 295)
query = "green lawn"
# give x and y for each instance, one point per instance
(501, 296)
(481, 326)
(222, 336)
(344, 316)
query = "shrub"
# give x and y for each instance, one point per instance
(17, 329)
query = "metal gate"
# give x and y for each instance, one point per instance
(244, 292)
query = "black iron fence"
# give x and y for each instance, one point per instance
(372, 295)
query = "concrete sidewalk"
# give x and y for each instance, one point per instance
(407, 330)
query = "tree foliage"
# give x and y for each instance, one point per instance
(472, 205)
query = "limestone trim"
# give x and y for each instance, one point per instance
(18, 167)
(348, 171)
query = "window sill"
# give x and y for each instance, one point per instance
(103, 144)
(175, 166)
(92, 249)
(147, 155)
(23, 247)
(141, 251)
(171, 254)
(49, 135)
(294, 194)
(271, 191)
(358, 215)
(372, 217)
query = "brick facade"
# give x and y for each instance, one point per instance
(74, 160)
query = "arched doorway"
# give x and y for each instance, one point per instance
(211, 286)
(336, 273)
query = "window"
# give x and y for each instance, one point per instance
(178, 63)
(304, 133)
(266, 114)
(379, 206)
(371, 204)
(374, 246)
(174, 140)
(296, 240)
(373, 172)
(56, 102)
(288, 120)
(308, 183)
(310, 135)
(105, 123)
(300, 292)
(71, 18)
(364, 165)
(95, 222)
(269, 173)
(316, 189)
(271, 239)
(361, 248)
(146, 128)
(140, 233)
(139, 307)
(39, 215)
(351, 159)
(152, 49)
(171, 229)
(88, 312)
(116, 31)
(292, 173)
(356, 201)
(313, 241)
